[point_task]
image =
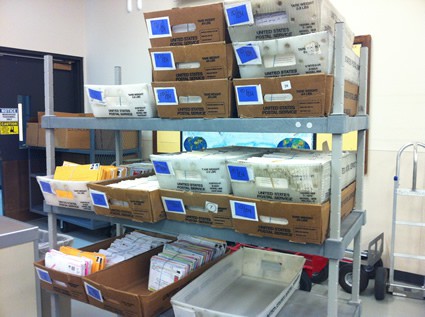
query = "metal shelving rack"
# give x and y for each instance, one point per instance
(341, 232)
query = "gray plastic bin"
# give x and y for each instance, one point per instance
(43, 242)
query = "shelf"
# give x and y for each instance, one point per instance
(86, 151)
(330, 249)
(333, 124)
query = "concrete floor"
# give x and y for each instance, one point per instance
(391, 306)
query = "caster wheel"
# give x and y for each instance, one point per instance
(380, 283)
(321, 276)
(305, 282)
(346, 278)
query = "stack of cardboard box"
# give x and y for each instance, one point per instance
(285, 53)
(192, 66)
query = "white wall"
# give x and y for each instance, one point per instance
(44, 25)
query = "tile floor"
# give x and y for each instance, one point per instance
(391, 306)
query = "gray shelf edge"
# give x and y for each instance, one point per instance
(336, 124)
(19, 233)
(330, 249)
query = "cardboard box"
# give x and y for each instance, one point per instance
(200, 208)
(303, 54)
(195, 99)
(186, 26)
(105, 140)
(136, 205)
(123, 289)
(73, 285)
(193, 62)
(66, 138)
(291, 96)
(269, 19)
(304, 223)
(32, 134)
(64, 283)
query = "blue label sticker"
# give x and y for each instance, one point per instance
(237, 15)
(247, 211)
(99, 199)
(160, 27)
(46, 187)
(246, 53)
(163, 60)
(95, 94)
(93, 292)
(161, 167)
(166, 95)
(238, 173)
(173, 205)
(44, 276)
(247, 94)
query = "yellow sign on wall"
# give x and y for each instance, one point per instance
(7, 128)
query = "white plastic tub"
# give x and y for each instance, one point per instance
(121, 101)
(249, 282)
(68, 194)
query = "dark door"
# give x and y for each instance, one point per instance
(22, 74)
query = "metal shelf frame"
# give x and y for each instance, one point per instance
(341, 232)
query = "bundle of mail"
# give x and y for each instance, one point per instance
(149, 183)
(87, 172)
(132, 244)
(199, 171)
(83, 263)
(74, 261)
(181, 257)
(289, 175)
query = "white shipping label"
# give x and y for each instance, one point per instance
(278, 97)
(248, 54)
(163, 167)
(263, 182)
(99, 199)
(183, 175)
(281, 183)
(244, 210)
(166, 96)
(158, 27)
(43, 275)
(174, 205)
(239, 13)
(93, 292)
(249, 95)
(286, 85)
(163, 61)
(211, 207)
(313, 48)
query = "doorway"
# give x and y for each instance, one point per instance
(22, 74)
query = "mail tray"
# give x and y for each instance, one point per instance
(127, 203)
(68, 194)
(249, 282)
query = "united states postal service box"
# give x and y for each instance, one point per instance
(298, 55)
(186, 25)
(68, 194)
(291, 96)
(201, 208)
(269, 19)
(70, 284)
(297, 222)
(134, 204)
(193, 62)
(195, 99)
(299, 176)
(123, 288)
(199, 171)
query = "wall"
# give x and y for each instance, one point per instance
(43, 25)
